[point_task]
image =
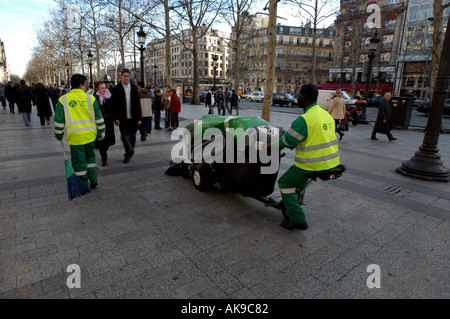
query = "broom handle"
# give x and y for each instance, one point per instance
(64, 150)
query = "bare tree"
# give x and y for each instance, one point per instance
(315, 11)
(198, 16)
(239, 19)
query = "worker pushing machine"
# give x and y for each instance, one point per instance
(79, 114)
(313, 136)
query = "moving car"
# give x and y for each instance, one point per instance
(255, 96)
(203, 95)
(374, 101)
(425, 107)
(284, 99)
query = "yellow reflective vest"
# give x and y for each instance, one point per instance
(81, 120)
(319, 151)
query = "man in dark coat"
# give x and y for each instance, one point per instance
(53, 94)
(126, 112)
(24, 97)
(210, 100)
(383, 123)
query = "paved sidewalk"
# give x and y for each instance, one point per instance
(143, 234)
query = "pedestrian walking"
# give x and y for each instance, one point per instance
(210, 100)
(10, 94)
(146, 99)
(2, 96)
(43, 103)
(337, 111)
(383, 122)
(220, 101)
(23, 98)
(54, 95)
(126, 112)
(157, 108)
(79, 114)
(175, 109)
(234, 102)
(228, 99)
(166, 105)
(313, 136)
(104, 100)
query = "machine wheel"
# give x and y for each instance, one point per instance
(290, 104)
(201, 178)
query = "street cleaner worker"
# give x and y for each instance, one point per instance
(313, 136)
(79, 114)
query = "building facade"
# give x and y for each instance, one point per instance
(4, 72)
(213, 43)
(356, 25)
(293, 52)
(414, 67)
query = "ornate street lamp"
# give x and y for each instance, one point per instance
(372, 49)
(214, 64)
(426, 163)
(141, 39)
(90, 61)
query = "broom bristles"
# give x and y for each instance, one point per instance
(76, 187)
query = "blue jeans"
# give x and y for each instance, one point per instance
(226, 105)
(146, 126)
(221, 106)
(128, 131)
(26, 118)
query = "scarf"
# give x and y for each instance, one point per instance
(102, 97)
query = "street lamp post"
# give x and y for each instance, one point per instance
(155, 67)
(214, 64)
(90, 60)
(426, 163)
(68, 79)
(372, 49)
(141, 39)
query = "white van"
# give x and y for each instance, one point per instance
(325, 97)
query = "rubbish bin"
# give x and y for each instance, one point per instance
(401, 110)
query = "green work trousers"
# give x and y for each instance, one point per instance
(293, 178)
(83, 162)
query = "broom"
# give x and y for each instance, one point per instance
(75, 185)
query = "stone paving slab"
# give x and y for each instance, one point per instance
(143, 234)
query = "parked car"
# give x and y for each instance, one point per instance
(203, 95)
(374, 101)
(255, 96)
(284, 99)
(425, 107)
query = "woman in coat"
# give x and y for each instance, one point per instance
(42, 101)
(337, 111)
(175, 109)
(103, 97)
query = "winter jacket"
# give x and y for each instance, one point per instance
(175, 104)
(23, 99)
(146, 98)
(119, 109)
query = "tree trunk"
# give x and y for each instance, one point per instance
(270, 68)
(167, 48)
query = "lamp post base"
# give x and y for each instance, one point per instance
(426, 164)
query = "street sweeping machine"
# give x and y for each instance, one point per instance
(222, 151)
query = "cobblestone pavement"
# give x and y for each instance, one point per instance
(143, 234)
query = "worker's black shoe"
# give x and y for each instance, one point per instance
(287, 224)
(94, 184)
